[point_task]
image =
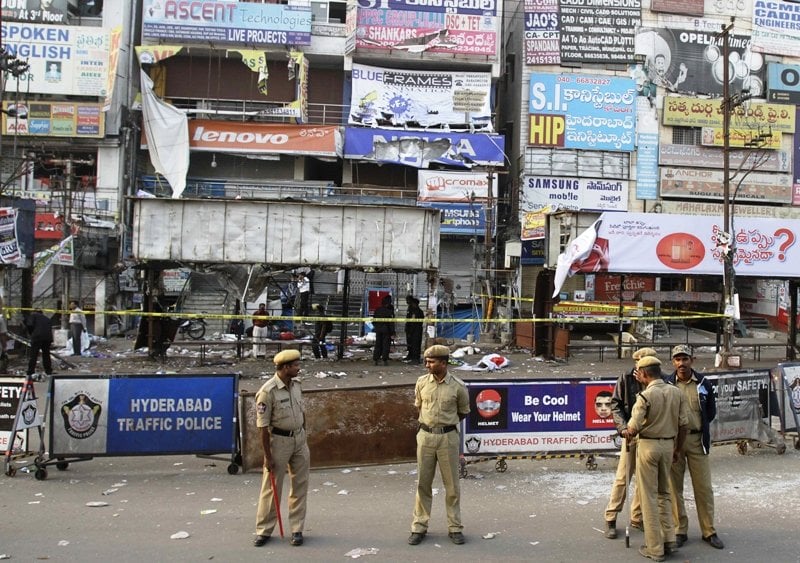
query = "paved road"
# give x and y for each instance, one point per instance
(550, 510)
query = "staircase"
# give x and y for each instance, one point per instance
(207, 296)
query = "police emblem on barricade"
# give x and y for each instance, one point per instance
(473, 444)
(81, 415)
(29, 414)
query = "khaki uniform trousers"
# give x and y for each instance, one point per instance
(442, 449)
(292, 453)
(627, 460)
(654, 458)
(701, 484)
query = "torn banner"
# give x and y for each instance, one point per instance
(575, 252)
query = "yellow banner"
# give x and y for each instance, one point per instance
(694, 112)
(256, 61)
(151, 54)
(713, 137)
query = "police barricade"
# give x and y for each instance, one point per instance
(746, 402)
(786, 379)
(127, 415)
(345, 427)
(10, 392)
(535, 419)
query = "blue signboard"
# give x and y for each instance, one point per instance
(647, 166)
(143, 415)
(575, 111)
(783, 83)
(227, 21)
(461, 218)
(521, 416)
(421, 148)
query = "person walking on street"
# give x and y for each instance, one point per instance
(321, 330)
(260, 331)
(280, 418)
(414, 331)
(41, 333)
(443, 402)
(626, 389)
(702, 406)
(77, 326)
(660, 420)
(304, 293)
(384, 330)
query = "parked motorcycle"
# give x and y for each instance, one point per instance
(195, 328)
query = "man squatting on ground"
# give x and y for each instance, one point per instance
(660, 420)
(624, 397)
(443, 402)
(281, 420)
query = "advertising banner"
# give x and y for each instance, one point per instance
(743, 402)
(783, 83)
(741, 138)
(524, 416)
(684, 7)
(696, 112)
(227, 21)
(657, 243)
(54, 119)
(703, 157)
(542, 34)
(598, 31)
(534, 223)
(461, 218)
(576, 111)
(40, 11)
(420, 149)
(143, 414)
(440, 185)
(706, 208)
(607, 287)
(699, 183)
(230, 136)
(425, 30)
(468, 7)
(776, 27)
(690, 61)
(66, 60)
(585, 194)
(647, 166)
(10, 393)
(395, 97)
(10, 252)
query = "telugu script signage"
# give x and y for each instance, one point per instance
(580, 194)
(704, 157)
(696, 112)
(699, 183)
(685, 7)
(598, 31)
(226, 21)
(582, 112)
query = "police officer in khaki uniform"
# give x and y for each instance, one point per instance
(702, 406)
(660, 420)
(281, 421)
(443, 402)
(624, 397)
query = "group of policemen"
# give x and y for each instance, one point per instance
(665, 422)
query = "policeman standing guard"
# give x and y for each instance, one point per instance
(281, 421)
(660, 419)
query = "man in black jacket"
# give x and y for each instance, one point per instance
(414, 331)
(41, 334)
(384, 330)
(702, 410)
(622, 401)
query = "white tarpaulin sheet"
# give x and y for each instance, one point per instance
(656, 243)
(251, 232)
(167, 130)
(393, 97)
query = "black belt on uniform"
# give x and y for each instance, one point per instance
(287, 433)
(437, 430)
(695, 431)
(654, 438)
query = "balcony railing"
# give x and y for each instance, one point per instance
(252, 111)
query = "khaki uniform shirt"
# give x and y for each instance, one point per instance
(279, 406)
(659, 410)
(440, 404)
(689, 390)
